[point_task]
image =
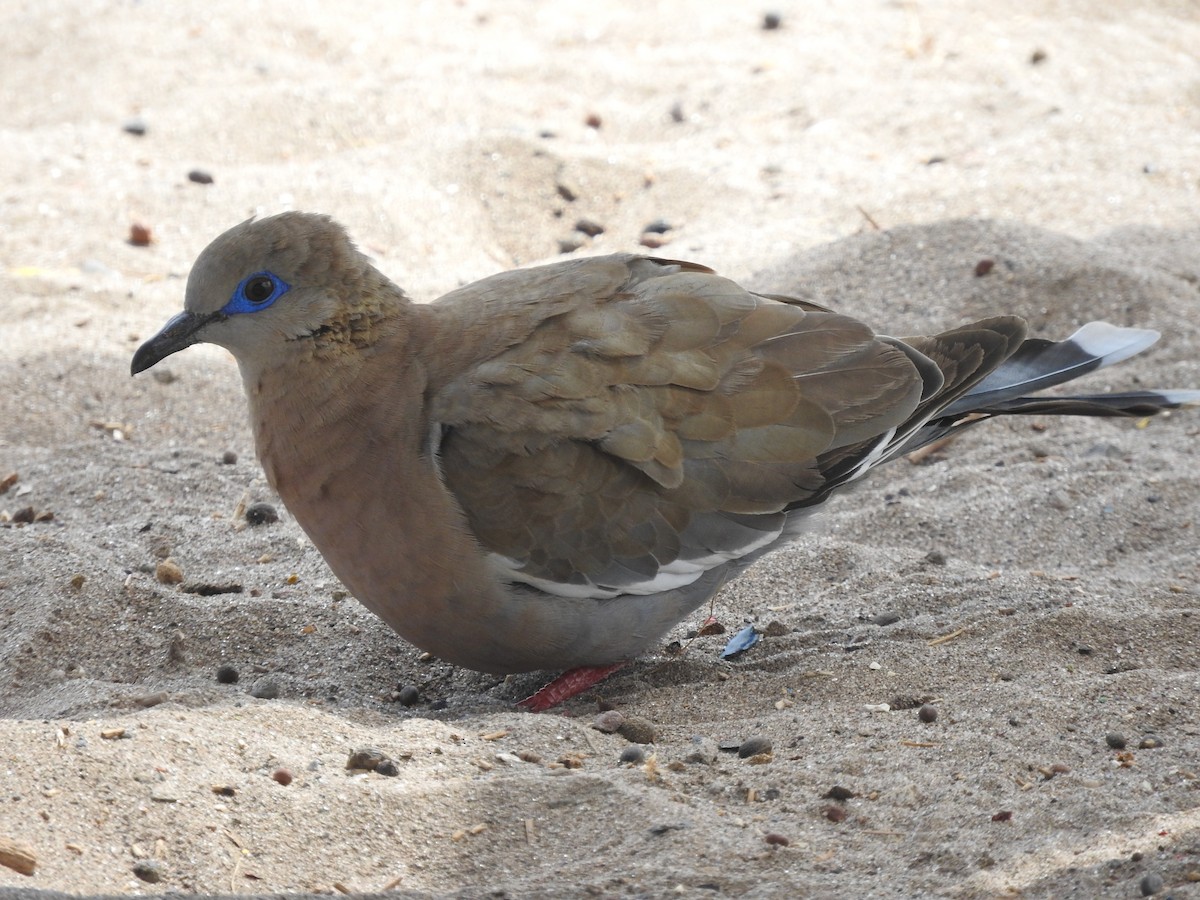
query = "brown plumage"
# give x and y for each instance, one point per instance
(551, 467)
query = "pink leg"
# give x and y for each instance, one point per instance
(567, 685)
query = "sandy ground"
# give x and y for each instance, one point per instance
(1037, 582)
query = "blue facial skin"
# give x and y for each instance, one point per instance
(255, 292)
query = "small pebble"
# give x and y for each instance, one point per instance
(658, 226)
(1151, 884)
(771, 20)
(261, 514)
(589, 227)
(839, 793)
(633, 754)
(228, 458)
(935, 558)
(777, 840)
(984, 267)
(753, 746)
(388, 767)
(135, 127)
(1037, 57)
(676, 112)
(569, 244)
(282, 776)
(653, 241)
(927, 713)
(1115, 741)
(408, 695)
(885, 619)
(140, 235)
(593, 121)
(199, 176)
(149, 870)
(439, 704)
(637, 730)
(609, 721)
(227, 675)
(834, 813)
(266, 689)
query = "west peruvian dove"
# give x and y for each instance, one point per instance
(549, 468)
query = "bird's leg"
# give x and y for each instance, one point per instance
(568, 685)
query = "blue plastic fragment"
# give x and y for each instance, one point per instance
(740, 642)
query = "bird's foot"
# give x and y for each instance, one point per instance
(567, 685)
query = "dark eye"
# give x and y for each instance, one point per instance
(259, 289)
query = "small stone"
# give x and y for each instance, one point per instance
(388, 767)
(227, 675)
(984, 267)
(135, 126)
(839, 793)
(589, 227)
(885, 619)
(676, 112)
(927, 713)
(282, 776)
(266, 689)
(1037, 57)
(199, 176)
(609, 721)
(25, 515)
(567, 191)
(261, 514)
(168, 572)
(771, 20)
(776, 840)
(653, 241)
(1149, 742)
(140, 235)
(834, 813)
(149, 870)
(637, 730)
(229, 458)
(658, 226)
(1151, 884)
(593, 121)
(569, 244)
(148, 700)
(633, 754)
(77, 582)
(440, 703)
(408, 695)
(753, 746)
(1115, 741)
(775, 628)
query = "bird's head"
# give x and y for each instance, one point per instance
(266, 285)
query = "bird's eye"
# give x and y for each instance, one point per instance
(257, 291)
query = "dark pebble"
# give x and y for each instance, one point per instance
(590, 227)
(228, 675)
(593, 121)
(140, 235)
(1149, 743)
(633, 754)
(228, 458)
(935, 558)
(149, 870)
(676, 112)
(927, 713)
(261, 514)
(754, 746)
(1037, 57)
(984, 267)
(566, 191)
(439, 704)
(200, 176)
(282, 776)
(388, 767)
(265, 689)
(729, 746)
(837, 792)
(408, 695)
(1151, 884)
(658, 226)
(569, 244)
(771, 21)
(777, 840)
(134, 126)
(1115, 740)
(834, 813)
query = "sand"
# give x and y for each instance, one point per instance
(1036, 582)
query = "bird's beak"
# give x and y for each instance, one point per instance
(182, 331)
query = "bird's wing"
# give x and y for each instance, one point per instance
(630, 441)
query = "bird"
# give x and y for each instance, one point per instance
(551, 467)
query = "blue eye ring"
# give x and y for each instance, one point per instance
(255, 292)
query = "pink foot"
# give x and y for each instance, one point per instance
(567, 685)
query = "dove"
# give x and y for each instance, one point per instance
(550, 468)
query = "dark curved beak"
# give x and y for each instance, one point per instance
(182, 331)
